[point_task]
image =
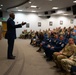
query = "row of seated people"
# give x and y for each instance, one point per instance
(52, 45)
(60, 49)
(25, 34)
(38, 36)
(63, 53)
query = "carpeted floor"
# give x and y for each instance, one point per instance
(27, 62)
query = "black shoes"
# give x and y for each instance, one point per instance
(38, 50)
(48, 59)
(11, 57)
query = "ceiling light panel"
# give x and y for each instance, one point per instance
(19, 10)
(74, 1)
(33, 11)
(55, 8)
(30, 2)
(33, 6)
(1, 4)
(50, 0)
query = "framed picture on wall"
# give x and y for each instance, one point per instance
(39, 24)
(71, 21)
(50, 23)
(61, 22)
(27, 25)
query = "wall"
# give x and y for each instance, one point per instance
(33, 20)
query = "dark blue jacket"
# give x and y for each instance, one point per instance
(59, 45)
(11, 29)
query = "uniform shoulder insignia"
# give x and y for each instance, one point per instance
(62, 45)
(54, 40)
(49, 40)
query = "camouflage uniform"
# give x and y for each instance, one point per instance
(67, 63)
(65, 53)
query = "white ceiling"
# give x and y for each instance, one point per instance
(42, 5)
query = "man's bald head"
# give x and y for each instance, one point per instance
(12, 15)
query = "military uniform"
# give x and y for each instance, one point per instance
(69, 62)
(46, 42)
(58, 45)
(65, 53)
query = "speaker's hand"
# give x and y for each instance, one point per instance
(23, 23)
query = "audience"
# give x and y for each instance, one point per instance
(58, 45)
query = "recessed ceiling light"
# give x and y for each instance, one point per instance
(50, 0)
(60, 12)
(19, 10)
(55, 8)
(16, 7)
(33, 6)
(1, 5)
(74, 1)
(65, 14)
(33, 11)
(30, 2)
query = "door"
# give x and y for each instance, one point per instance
(4, 28)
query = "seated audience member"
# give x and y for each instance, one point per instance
(26, 34)
(22, 35)
(69, 62)
(66, 52)
(49, 50)
(69, 29)
(73, 35)
(67, 34)
(47, 39)
(62, 32)
(40, 38)
(44, 42)
(34, 38)
(50, 41)
(74, 29)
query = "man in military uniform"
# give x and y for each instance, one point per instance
(66, 52)
(50, 49)
(49, 40)
(69, 62)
